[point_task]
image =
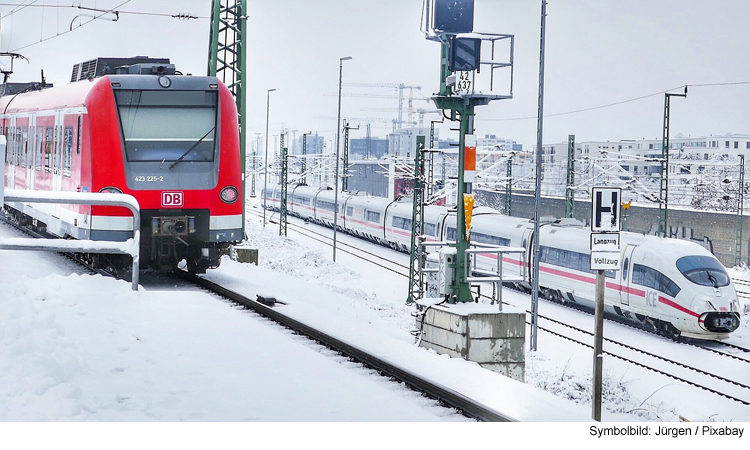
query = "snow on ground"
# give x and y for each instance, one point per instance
(87, 348)
(559, 366)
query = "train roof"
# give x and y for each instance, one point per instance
(60, 97)
(577, 237)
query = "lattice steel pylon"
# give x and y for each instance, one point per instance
(570, 203)
(664, 183)
(226, 61)
(740, 200)
(283, 208)
(416, 259)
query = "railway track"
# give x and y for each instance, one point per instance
(695, 375)
(442, 394)
(451, 398)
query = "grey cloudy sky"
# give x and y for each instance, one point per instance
(599, 52)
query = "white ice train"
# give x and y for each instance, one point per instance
(669, 286)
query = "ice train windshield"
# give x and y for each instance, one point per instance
(703, 270)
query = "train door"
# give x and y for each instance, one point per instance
(29, 144)
(10, 151)
(528, 243)
(57, 159)
(625, 274)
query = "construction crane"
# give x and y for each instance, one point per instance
(421, 111)
(400, 87)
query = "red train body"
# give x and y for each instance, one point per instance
(169, 140)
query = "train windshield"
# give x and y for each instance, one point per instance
(168, 125)
(703, 270)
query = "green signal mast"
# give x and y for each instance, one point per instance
(466, 81)
(226, 61)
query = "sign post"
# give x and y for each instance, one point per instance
(605, 255)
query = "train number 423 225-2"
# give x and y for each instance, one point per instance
(149, 178)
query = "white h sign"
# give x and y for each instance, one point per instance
(605, 209)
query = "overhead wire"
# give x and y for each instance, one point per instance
(142, 13)
(608, 105)
(109, 11)
(19, 6)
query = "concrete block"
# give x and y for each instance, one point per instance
(496, 349)
(446, 320)
(247, 255)
(452, 341)
(497, 325)
(496, 340)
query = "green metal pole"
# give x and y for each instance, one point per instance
(508, 188)
(462, 290)
(740, 200)
(213, 46)
(416, 260)
(283, 211)
(664, 185)
(570, 181)
(229, 21)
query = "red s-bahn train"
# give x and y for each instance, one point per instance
(139, 127)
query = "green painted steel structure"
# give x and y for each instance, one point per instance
(417, 254)
(740, 200)
(664, 184)
(283, 209)
(509, 187)
(570, 182)
(227, 61)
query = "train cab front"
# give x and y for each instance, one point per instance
(181, 161)
(715, 301)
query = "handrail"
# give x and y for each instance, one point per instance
(130, 247)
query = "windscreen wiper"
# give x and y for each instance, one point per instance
(171, 166)
(712, 279)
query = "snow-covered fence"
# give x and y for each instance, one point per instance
(130, 247)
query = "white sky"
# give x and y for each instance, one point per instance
(598, 52)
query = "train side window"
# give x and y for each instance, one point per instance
(429, 229)
(349, 211)
(450, 234)
(9, 155)
(401, 222)
(39, 147)
(67, 151)
(48, 141)
(57, 160)
(646, 276)
(20, 159)
(27, 159)
(373, 216)
(625, 269)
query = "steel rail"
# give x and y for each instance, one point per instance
(469, 407)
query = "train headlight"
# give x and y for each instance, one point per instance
(734, 305)
(110, 190)
(708, 306)
(229, 194)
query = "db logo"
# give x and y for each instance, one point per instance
(172, 199)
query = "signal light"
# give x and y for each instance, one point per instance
(454, 16)
(464, 54)
(229, 194)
